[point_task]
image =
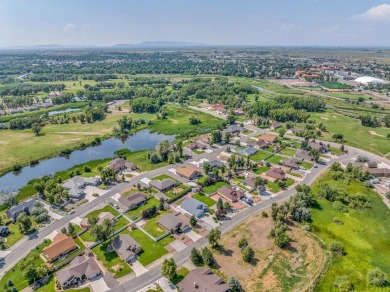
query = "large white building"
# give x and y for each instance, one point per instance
(365, 80)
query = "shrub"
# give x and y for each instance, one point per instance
(337, 247)
(376, 277)
(339, 207)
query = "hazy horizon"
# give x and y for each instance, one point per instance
(216, 23)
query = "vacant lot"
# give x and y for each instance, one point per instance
(365, 235)
(291, 269)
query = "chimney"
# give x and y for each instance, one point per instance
(196, 286)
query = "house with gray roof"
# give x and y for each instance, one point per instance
(202, 279)
(213, 163)
(119, 164)
(133, 201)
(81, 267)
(172, 223)
(76, 185)
(247, 151)
(193, 207)
(163, 185)
(125, 246)
(14, 211)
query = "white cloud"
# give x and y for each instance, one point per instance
(69, 27)
(376, 13)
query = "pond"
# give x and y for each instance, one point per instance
(64, 111)
(142, 140)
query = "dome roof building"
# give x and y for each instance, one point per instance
(365, 80)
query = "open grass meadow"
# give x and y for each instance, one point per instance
(370, 139)
(365, 235)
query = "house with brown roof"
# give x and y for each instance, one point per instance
(197, 145)
(81, 268)
(261, 144)
(202, 279)
(188, 172)
(303, 155)
(230, 194)
(60, 246)
(268, 138)
(125, 246)
(249, 181)
(276, 125)
(163, 185)
(173, 223)
(119, 164)
(133, 201)
(274, 174)
(291, 164)
(318, 146)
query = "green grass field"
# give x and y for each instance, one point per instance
(349, 95)
(153, 228)
(260, 155)
(105, 209)
(137, 212)
(365, 235)
(335, 85)
(204, 199)
(275, 159)
(371, 139)
(16, 274)
(288, 152)
(261, 169)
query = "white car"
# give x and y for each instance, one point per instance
(72, 212)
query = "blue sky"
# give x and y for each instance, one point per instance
(220, 22)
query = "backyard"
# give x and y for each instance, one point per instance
(133, 214)
(209, 202)
(213, 188)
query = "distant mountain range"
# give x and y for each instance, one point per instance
(146, 44)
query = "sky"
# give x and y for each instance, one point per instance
(216, 22)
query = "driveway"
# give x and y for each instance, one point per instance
(193, 235)
(52, 214)
(99, 285)
(90, 190)
(51, 235)
(178, 245)
(76, 220)
(138, 268)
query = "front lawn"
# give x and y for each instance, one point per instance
(111, 261)
(209, 202)
(288, 152)
(335, 151)
(137, 212)
(260, 155)
(306, 165)
(211, 189)
(273, 187)
(151, 250)
(261, 169)
(181, 274)
(16, 274)
(289, 182)
(275, 159)
(105, 209)
(161, 177)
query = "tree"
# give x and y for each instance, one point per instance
(193, 221)
(31, 274)
(207, 257)
(226, 206)
(248, 254)
(242, 243)
(315, 155)
(219, 204)
(24, 223)
(234, 284)
(161, 204)
(376, 277)
(338, 137)
(36, 128)
(196, 257)
(227, 137)
(71, 228)
(213, 237)
(206, 167)
(343, 284)
(92, 221)
(169, 268)
(102, 232)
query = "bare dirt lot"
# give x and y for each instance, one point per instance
(292, 82)
(293, 268)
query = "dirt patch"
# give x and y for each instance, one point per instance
(323, 118)
(117, 268)
(3, 143)
(375, 134)
(293, 268)
(292, 82)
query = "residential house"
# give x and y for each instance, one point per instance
(102, 216)
(205, 139)
(230, 194)
(268, 138)
(163, 185)
(60, 246)
(371, 164)
(239, 112)
(193, 207)
(13, 111)
(202, 279)
(214, 163)
(133, 201)
(4, 231)
(54, 93)
(119, 164)
(318, 146)
(125, 246)
(261, 144)
(291, 164)
(274, 174)
(276, 125)
(173, 223)
(197, 145)
(247, 151)
(188, 172)
(218, 106)
(303, 155)
(234, 129)
(378, 172)
(249, 181)
(25, 206)
(77, 184)
(31, 108)
(80, 268)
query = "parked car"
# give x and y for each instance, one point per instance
(247, 200)
(71, 212)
